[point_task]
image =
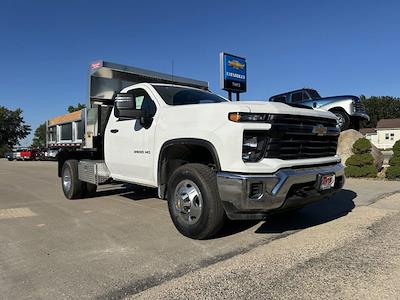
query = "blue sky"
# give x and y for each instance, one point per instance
(337, 47)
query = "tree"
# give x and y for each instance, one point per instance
(39, 138)
(75, 108)
(12, 127)
(383, 107)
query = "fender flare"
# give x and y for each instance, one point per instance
(184, 141)
(344, 105)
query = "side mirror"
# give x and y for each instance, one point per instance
(125, 107)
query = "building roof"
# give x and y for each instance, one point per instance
(364, 131)
(388, 123)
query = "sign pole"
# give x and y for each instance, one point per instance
(230, 95)
(237, 97)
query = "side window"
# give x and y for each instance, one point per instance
(305, 96)
(52, 134)
(66, 132)
(297, 97)
(80, 126)
(279, 99)
(144, 101)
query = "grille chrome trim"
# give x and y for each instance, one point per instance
(292, 137)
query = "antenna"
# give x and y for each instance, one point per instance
(172, 71)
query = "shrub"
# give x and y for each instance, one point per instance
(360, 160)
(365, 171)
(361, 163)
(396, 148)
(362, 146)
(395, 161)
(393, 172)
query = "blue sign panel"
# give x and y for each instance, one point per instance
(233, 73)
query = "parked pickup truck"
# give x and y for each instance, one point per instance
(208, 156)
(348, 109)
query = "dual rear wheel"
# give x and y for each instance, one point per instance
(74, 188)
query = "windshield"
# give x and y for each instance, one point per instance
(175, 95)
(314, 94)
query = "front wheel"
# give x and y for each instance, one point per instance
(343, 119)
(193, 201)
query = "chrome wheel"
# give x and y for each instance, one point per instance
(66, 179)
(188, 201)
(340, 120)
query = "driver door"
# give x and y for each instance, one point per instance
(129, 143)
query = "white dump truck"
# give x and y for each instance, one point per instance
(210, 158)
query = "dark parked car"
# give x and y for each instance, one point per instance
(348, 109)
(9, 155)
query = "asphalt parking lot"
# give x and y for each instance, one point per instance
(122, 241)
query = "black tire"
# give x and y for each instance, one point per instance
(10, 159)
(344, 119)
(76, 188)
(212, 214)
(90, 189)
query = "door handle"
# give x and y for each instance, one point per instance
(114, 130)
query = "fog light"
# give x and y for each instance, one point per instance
(256, 190)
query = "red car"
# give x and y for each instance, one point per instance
(26, 155)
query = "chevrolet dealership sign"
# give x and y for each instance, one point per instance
(233, 73)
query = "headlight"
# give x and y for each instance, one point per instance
(247, 117)
(253, 145)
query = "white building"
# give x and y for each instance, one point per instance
(386, 133)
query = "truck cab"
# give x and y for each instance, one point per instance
(208, 156)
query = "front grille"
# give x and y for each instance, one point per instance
(292, 137)
(359, 107)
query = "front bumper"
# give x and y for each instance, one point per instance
(284, 190)
(360, 115)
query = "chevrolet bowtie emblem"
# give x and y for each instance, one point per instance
(320, 130)
(235, 64)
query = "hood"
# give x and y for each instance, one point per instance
(338, 98)
(251, 106)
(282, 108)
